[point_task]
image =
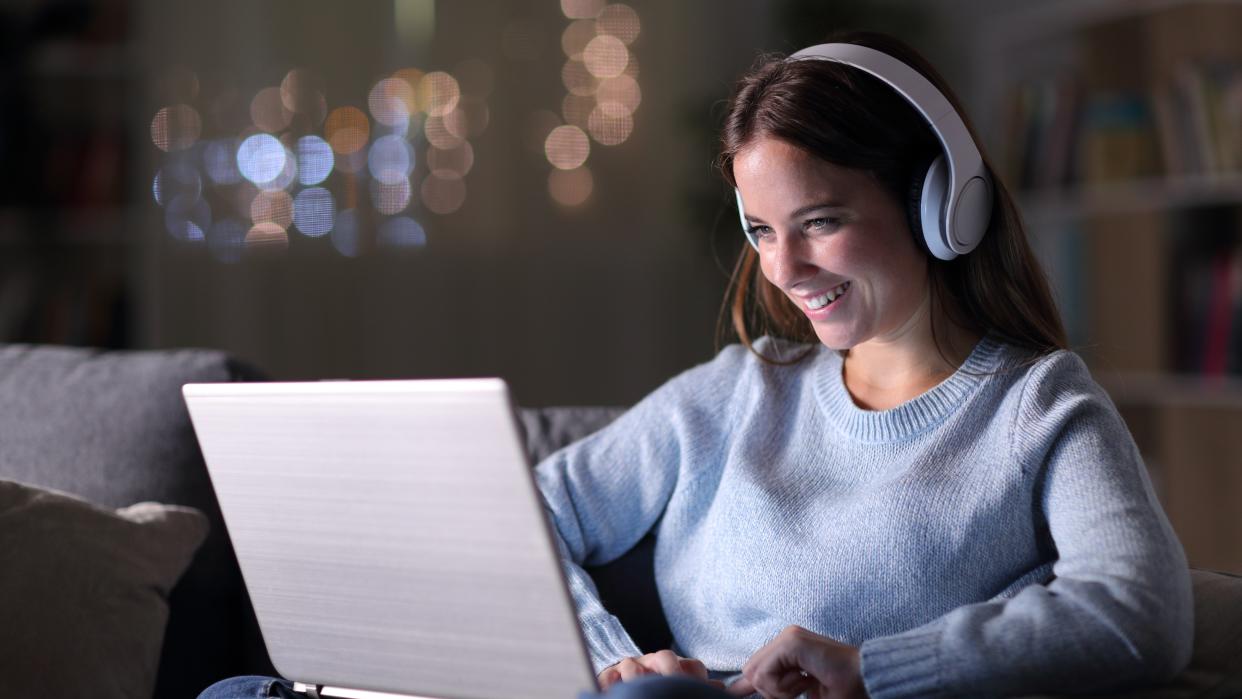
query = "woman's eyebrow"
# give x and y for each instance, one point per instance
(803, 210)
(812, 207)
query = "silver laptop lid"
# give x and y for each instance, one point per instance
(391, 536)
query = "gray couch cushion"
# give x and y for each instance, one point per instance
(112, 428)
(84, 602)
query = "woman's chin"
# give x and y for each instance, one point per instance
(835, 341)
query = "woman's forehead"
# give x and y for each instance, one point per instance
(771, 166)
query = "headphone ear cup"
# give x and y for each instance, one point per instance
(925, 208)
(914, 204)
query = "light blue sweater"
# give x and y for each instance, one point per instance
(996, 535)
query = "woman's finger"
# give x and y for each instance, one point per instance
(693, 667)
(631, 668)
(608, 678)
(741, 687)
(664, 662)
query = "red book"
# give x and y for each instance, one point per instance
(1219, 318)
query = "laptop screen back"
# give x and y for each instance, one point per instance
(391, 536)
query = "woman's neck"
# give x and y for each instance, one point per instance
(885, 372)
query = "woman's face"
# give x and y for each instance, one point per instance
(823, 228)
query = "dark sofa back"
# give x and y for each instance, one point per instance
(111, 427)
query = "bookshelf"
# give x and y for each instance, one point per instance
(1118, 124)
(66, 233)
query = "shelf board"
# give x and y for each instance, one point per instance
(1136, 196)
(1159, 389)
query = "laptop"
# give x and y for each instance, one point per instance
(392, 538)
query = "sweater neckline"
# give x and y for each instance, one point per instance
(916, 414)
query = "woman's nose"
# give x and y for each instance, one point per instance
(787, 264)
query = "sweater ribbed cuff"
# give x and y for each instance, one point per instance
(904, 665)
(608, 643)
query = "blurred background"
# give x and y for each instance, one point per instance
(524, 188)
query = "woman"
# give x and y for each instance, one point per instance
(907, 486)
(928, 495)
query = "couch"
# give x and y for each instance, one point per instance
(111, 427)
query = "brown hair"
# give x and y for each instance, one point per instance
(854, 120)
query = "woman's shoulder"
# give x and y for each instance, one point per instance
(1054, 383)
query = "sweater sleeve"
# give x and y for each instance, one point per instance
(605, 492)
(1118, 611)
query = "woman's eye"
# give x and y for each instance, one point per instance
(822, 223)
(760, 231)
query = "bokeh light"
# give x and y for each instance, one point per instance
(220, 161)
(225, 240)
(570, 187)
(438, 134)
(301, 92)
(187, 219)
(389, 199)
(581, 9)
(241, 198)
(610, 123)
(577, 79)
(314, 211)
(576, 37)
(261, 158)
(522, 40)
(567, 147)
(391, 102)
(315, 161)
(469, 120)
(402, 232)
(268, 111)
(272, 207)
(288, 174)
(453, 161)
(352, 163)
(411, 77)
(267, 237)
(344, 234)
(537, 127)
(619, 20)
(622, 89)
(438, 93)
(176, 127)
(475, 78)
(606, 56)
(347, 130)
(391, 159)
(443, 194)
(177, 179)
(577, 109)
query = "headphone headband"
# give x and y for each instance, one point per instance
(960, 216)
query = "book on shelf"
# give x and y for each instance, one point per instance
(1207, 311)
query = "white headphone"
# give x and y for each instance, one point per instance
(952, 225)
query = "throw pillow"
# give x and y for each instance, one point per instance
(83, 592)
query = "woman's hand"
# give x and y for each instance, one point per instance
(798, 661)
(664, 662)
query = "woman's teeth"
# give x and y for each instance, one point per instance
(818, 302)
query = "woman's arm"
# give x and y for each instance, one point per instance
(604, 493)
(1119, 610)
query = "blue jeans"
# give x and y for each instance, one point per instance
(645, 687)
